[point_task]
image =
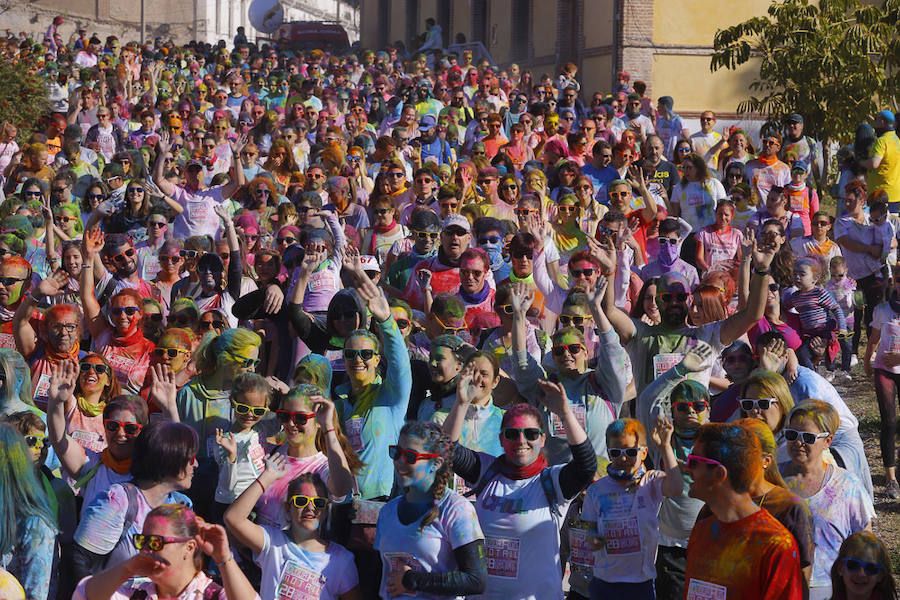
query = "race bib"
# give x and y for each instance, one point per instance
(502, 556)
(336, 358)
(696, 199)
(799, 203)
(199, 212)
(459, 485)
(7, 341)
(257, 456)
(323, 280)
(558, 428)
(701, 590)
(121, 364)
(665, 361)
(581, 553)
(89, 440)
(353, 429)
(623, 536)
(299, 583)
(397, 560)
(42, 389)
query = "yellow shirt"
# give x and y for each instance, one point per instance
(887, 176)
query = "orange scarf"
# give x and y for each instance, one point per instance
(55, 356)
(767, 160)
(117, 466)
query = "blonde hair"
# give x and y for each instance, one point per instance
(821, 413)
(215, 348)
(767, 444)
(774, 386)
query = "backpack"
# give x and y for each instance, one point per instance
(546, 485)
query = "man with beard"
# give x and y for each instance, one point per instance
(884, 162)
(198, 201)
(634, 120)
(425, 228)
(661, 174)
(766, 171)
(441, 272)
(120, 257)
(656, 348)
(434, 147)
(50, 341)
(425, 103)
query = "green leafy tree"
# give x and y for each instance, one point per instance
(23, 95)
(836, 62)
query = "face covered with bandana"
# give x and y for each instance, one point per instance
(668, 249)
(492, 243)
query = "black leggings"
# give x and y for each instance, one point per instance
(887, 386)
(872, 287)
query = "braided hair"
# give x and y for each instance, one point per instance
(436, 442)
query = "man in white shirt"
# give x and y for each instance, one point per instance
(706, 142)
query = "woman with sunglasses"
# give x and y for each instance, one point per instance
(205, 404)
(385, 230)
(595, 396)
(838, 501)
(297, 549)
(862, 570)
(313, 442)
(67, 223)
(696, 196)
(522, 543)
(122, 416)
(765, 396)
(132, 218)
(567, 234)
(174, 353)
(28, 542)
(212, 320)
(169, 562)
(94, 389)
(95, 193)
(162, 467)
(429, 539)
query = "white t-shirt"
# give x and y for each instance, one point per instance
(628, 521)
(198, 217)
(859, 264)
(888, 323)
(698, 201)
(428, 551)
(290, 572)
(102, 480)
(236, 477)
(521, 537)
(702, 142)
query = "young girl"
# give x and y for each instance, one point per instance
(314, 443)
(296, 562)
(818, 243)
(839, 504)
(843, 288)
(429, 539)
(743, 210)
(862, 570)
(718, 243)
(820, 314)
(242, 450)
(622, 510)
(803, 199)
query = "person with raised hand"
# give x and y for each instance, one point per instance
(169, 562)
(521, 500)
(655, 348)
(298, 551)
(473, 419)
(596, 395)
(429, 539)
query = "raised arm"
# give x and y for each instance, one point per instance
(619, 319)
(637, 179)
(165, 186)
(237, 179)
(465, 391)
(340, 479)
(62, 390)
(237, 517)
(213, 541)
(673, 485)
(737, 324)
(93, 316)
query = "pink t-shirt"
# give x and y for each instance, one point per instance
(270, 507)
(719, 247)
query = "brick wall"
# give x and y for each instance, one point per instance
(635, 40)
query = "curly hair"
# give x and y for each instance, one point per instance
(435, 441)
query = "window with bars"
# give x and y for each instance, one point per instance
(521, 29)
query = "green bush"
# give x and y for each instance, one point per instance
(23, 96)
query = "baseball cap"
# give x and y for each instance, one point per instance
(794, 118)
(887, 115)
(427, 122)
(369, 263)
(457, 220)
(800, 165)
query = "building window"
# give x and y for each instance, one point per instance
(521, 29)
(412, 23)
(445, 20)
(480, 21)
(384, 22)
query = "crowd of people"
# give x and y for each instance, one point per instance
(283, 324)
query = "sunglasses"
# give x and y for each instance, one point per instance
(692, 460)
(684, 406)
(63, 219)
(748, 404)
(426, 235)
(130, 429)
(447, 205)
(364, 354)
(807, 437)
(9, 281)
(160, 352)
(135, 190)
(579, 273)
(615, 453)
(243, 409)
(94, 196)
(568, 320)
(128, 310)
(514, 434)
(98, 368)
(568, 209)
(402, 323)
(210, 325)
(169, 259)
(667, 241)
(521, 254)
(573, 349)
(188, 254)
(155, 543)
(243, 360)
(301, 501)
(36, 441)
(524, 212)
(382, 211)
(854, 565)
(669, 296)
(158, 224)
(299, 418)
(123, 255)
(286, 240)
